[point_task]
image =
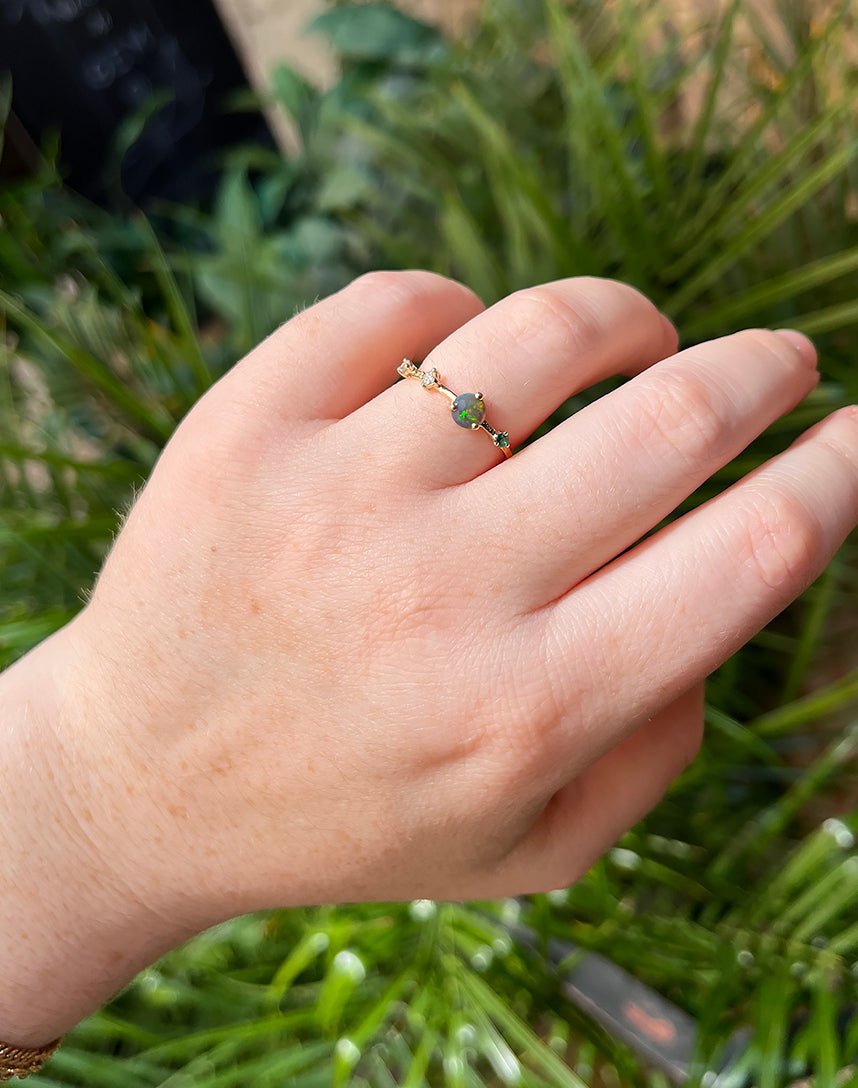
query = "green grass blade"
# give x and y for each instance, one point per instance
(517, 1032)
(840, 694)
(416, 1074)
(811, 632)
(762, 226)
(721, 55)
(141, 410)
(745, 153)
(595, 134)
(633, 27)
(735, 308)
(842, 315)
(743, 205)
(177, 307)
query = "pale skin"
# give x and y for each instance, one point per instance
(341, 650)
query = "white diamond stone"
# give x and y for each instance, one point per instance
(429, 378)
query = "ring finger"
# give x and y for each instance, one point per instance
(527, 354)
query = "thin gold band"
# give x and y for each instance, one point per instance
(468, 409)
(19, 1061)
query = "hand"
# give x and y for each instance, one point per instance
(341, 650)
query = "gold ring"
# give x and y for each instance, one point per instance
(467, 409)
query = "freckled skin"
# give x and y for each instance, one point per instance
(342, 650)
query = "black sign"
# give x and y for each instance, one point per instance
(85, 66)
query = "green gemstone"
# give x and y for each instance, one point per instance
(468, 410)
(502, 440)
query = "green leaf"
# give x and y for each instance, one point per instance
(179, 310)
(344, 188)
(377, 31)
(132, 128)
(293, 93)
(770, 1043)
(237, 216)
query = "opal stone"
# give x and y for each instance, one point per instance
(468, 410)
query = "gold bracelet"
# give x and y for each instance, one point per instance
(19, 1061)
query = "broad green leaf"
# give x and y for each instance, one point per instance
(295, 95)
(377, 31)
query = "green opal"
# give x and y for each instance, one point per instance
(468, 410)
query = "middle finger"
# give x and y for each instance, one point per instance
(597, 483)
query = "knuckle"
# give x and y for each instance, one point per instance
(219, 443)
(761, 341)
(407, 289)
(782, 539)
(521, 750)
(601, 284)
(680, 414)
(840, 437)
(398, 287)
(526, 741)
(571, 318)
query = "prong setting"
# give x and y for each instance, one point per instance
(467, 410)
(430, 378)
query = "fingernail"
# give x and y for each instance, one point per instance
(804, 344)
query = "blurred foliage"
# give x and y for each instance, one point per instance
(716, 171)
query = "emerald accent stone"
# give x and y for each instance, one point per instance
(468, 410)
(502, 440)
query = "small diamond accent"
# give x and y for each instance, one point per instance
(405, 368)
(429, 378)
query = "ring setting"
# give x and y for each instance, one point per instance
(467, 410)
